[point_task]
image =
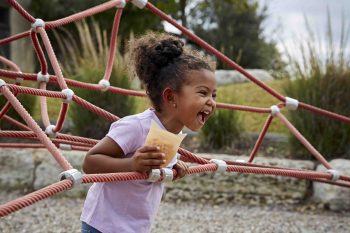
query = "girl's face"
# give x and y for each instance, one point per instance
(196, 99)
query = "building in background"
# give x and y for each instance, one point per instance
(4, 27)
(11, 22)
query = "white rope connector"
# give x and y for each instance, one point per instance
(121, 4)
(49, 131)
(69, 95)
(105, 84)
(38, 23)
(178, 156)
(73, 174)
(168, 175)
(2, 83)
(274, 110)
(42, 78)
(63, 146)
(140, 3)
(154, 175)
(335, 174)
(291, 103)
(221, 164)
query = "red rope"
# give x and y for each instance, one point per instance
(21, 10)
(242, 108)
(34, 197)
(324, 113)
(303, 140)
(34, 126)
(261, 138)
(214, 51)
(15, 123)
(83, 14)
(84, 144)
(52, 57)
(99, 111)
(113, 44)
(39, 52)
(14, 37)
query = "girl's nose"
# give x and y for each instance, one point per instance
(211, 101)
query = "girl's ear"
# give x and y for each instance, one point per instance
(168, 95)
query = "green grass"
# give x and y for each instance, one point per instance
(250, 94)
(244, 94)
(53, 108)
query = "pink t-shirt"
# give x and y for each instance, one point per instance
(126, 206)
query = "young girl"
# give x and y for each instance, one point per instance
(182, 89)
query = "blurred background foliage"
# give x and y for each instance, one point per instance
(87, 64)
(234, 27)
(206, 18)
(27, 101)
(321, 78)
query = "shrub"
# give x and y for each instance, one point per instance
(323, 82)
(87, 63)
(221, 130)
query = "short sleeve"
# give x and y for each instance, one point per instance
(127, 133)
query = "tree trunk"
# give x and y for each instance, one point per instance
(22, 49)
(183, 13)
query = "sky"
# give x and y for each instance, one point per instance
(286, 21)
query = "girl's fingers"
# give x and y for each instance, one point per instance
(181, 169)
(155, 156)
(148, 148)
(153, 162)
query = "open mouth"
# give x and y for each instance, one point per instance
(203, 116)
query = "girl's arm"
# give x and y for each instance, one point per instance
(107, 157)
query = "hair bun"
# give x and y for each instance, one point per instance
(166, 51)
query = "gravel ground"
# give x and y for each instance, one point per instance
(61, 214)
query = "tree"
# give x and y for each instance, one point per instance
(134, 21)
(235, 28)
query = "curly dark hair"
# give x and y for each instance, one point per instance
(162, 60)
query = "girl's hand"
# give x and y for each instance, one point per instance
(147, 158)
(181, 169)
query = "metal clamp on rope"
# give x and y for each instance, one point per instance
(121, 4)
(69, 95)
(240, 160)
(154, 175)
(49, 131)
(221, 164)
(73, 174)
(335, 174)
(140, 3)
(38, 23)
(63, 146)
(168, 175)
(42, 77)
(274, 110)
(105, 84)
(291, 103)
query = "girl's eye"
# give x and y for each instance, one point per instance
(214, 96)
(203, 93)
